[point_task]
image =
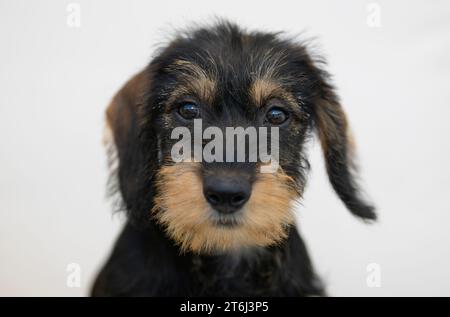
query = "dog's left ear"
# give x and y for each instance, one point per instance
(123, 121)
(332, 127)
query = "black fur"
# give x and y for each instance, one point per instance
(145, 262)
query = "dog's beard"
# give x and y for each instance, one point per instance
(189, 220)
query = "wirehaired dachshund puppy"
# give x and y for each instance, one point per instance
(221, 228)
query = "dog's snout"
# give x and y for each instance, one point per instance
(226, 194)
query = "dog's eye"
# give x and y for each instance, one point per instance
(189, 111)
(276, 116)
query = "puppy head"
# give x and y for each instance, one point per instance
(226, 78)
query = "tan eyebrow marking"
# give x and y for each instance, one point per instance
(263, 89)
(195, 80)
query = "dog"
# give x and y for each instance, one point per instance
(198, 228)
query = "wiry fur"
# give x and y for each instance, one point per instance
(185, 214)
(173, 243)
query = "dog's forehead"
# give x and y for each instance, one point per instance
(243, 66)
(235, 57)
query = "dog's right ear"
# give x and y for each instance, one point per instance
(331, 125)
(332, 128)
(124, 144)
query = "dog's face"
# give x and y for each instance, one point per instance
(227, 78)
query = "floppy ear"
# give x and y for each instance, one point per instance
(332, 127)
(126, 155)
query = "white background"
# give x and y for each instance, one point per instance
(55, 82)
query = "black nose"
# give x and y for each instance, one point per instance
(226, 194)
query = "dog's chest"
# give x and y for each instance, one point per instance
(246, 274)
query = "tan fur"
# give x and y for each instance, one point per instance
(197, 81)
(110, 146)
(125, 103)
(180, 206)
(124, 107)
(263, 89)
(332, 124)
(107, 138)
(351, 142)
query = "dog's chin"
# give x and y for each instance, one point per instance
(230, 221)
